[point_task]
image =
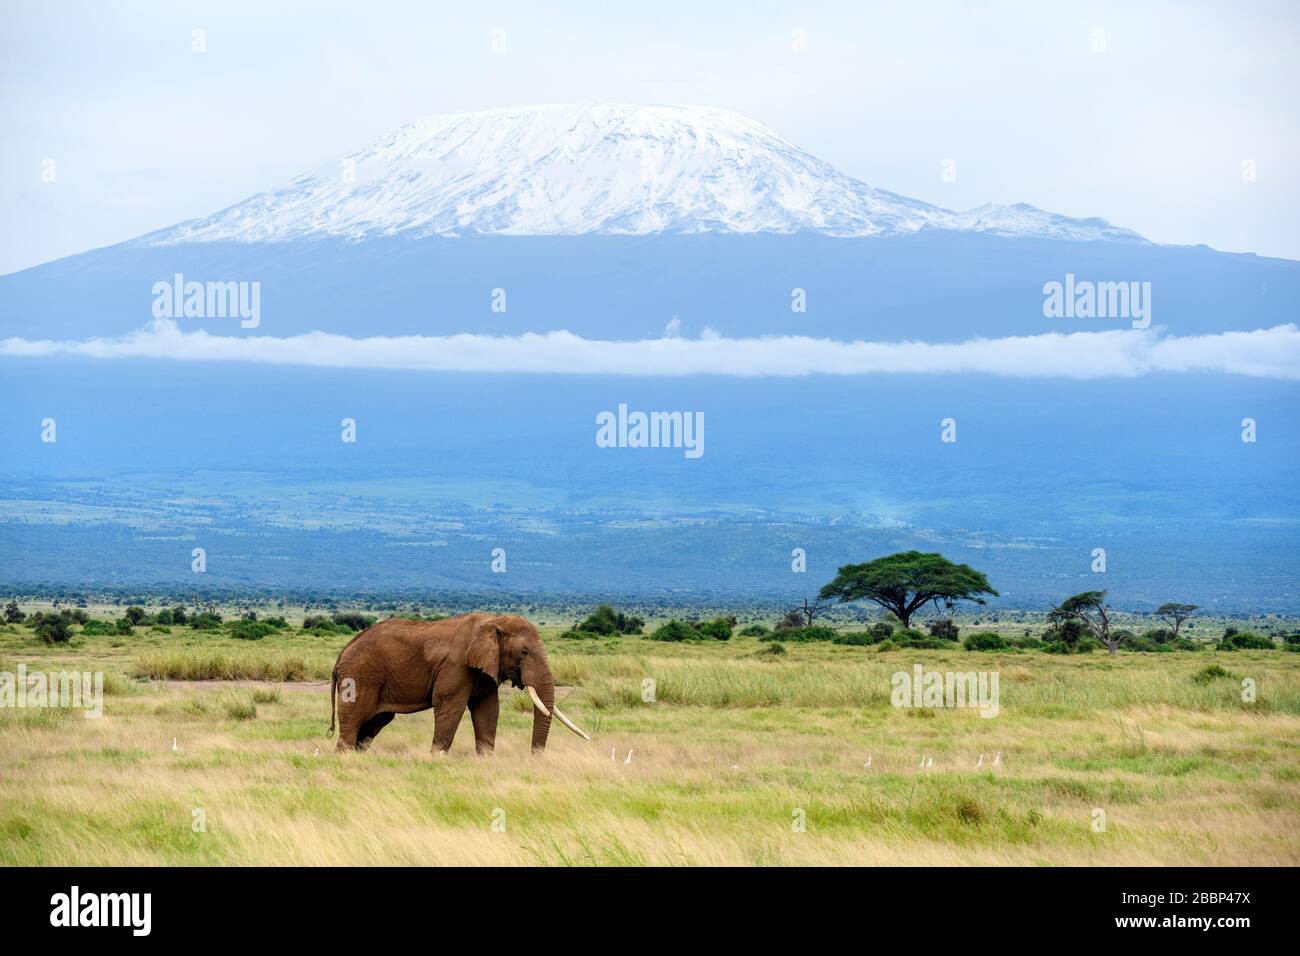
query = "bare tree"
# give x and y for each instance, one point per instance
(1091, 610)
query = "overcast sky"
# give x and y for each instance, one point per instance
(1150, 133)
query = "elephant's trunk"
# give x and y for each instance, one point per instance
(545, 687)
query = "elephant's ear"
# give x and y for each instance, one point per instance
(484, 650)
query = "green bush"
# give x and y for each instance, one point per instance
(719, 629)
(754, 630)
(135, 615)
(886, 646)
(1026, 643)
(944, 629)
(674, 630)
(984, 641)
(608, 622)
(205, 621)
(353, 621)
(575, 635)
(1142, 643)
(800, 635)
(1250, 642)
(774, 649)
(245, 630)
(1210, 673)
(53, 628)
(96, 628)
(882, 630)
(856, 639)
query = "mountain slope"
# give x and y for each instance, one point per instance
(608, 169)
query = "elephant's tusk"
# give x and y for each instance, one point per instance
(537, 701)
(571, 725)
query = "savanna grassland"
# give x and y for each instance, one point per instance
(737, 745)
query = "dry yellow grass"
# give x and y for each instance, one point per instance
(734, 750)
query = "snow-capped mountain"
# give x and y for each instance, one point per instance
(608, 169)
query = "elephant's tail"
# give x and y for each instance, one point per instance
(334, 684)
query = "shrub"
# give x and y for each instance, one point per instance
(206, 621)
(13, 615)
(719, 629)
(754, 630)
(1027, 642)
(1142, 644)
(944, 629)
(575, 635)
(802, 634)
(774, 649)
(1182, 644)
(278, 622)
(1159, 635)
(96, 628)
(1250, 642)
(984, 641)
(54, 629)
(164, 618)
(886, 646)
(856, 639)
(134, 615)
(246, 630)
(353, 621)
(674, 630)
(179, 616)
(605, 620)
(882, 630)
(1209, 674)
(320, 624)
(1069, 632)
(1084, 647)
(123, 626)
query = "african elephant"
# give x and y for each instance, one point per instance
(402, 667)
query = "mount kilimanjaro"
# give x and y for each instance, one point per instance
(608, 170)
(615, 222)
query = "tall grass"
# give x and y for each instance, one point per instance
(200, 664)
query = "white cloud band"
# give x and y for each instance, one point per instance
(1264, 353)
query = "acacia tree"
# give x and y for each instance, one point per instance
(1091, 610)
(1176, 614)
(808, 612)
(904, 582)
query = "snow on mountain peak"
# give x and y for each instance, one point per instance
(611, 168)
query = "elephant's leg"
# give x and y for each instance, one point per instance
(353, 714)
(447, 712)
(483, 713)
(371, 728)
